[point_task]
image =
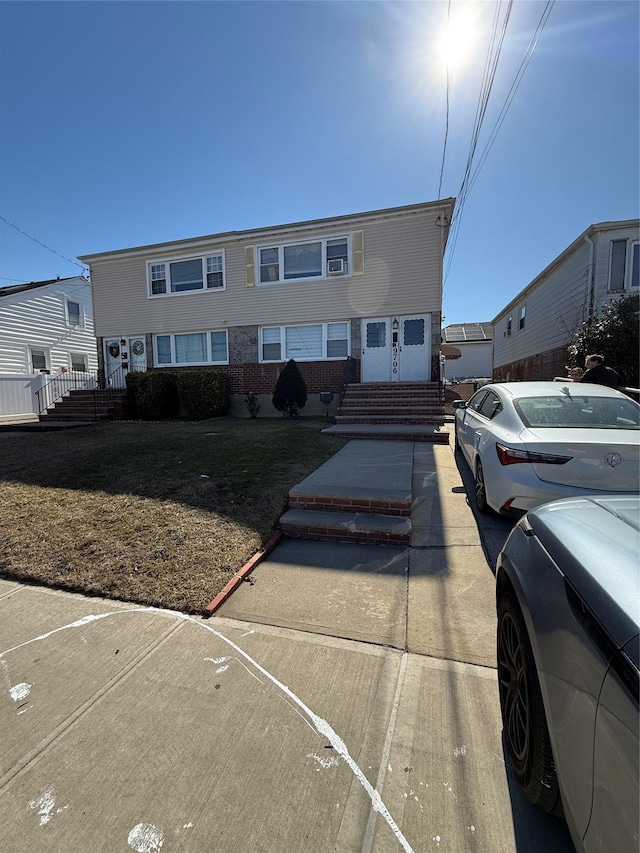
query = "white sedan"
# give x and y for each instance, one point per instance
(528, 443)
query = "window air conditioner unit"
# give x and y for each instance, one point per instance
(335, 266)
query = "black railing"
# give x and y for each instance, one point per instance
(111, 387)
(62, 384)
(348, 376)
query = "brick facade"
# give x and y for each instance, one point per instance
(540, 367)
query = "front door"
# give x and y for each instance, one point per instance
(396, 349)
(121, 356)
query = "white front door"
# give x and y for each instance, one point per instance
(122, 355)
(396, 349)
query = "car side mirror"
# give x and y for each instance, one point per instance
(459, 404)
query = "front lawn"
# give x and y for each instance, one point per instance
(160, 514)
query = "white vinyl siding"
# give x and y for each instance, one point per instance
(38, 318)
(185, 275)
(191, 348)
(309, 342)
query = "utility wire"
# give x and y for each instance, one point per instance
(82, 266)
(446, 123)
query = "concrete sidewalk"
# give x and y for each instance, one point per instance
(345, 698)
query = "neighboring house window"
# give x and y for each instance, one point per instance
(39, 360)
(184, 276)
(78, 362)
(191, 348)
(635, 265)
(617, 265)
(296, 261)
(521, 317)
(509, 326)
(304, 343)
(74, 316)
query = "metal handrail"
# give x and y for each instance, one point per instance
(112, 386)
(347, 377)
(62, 384)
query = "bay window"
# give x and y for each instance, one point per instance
(309, 342)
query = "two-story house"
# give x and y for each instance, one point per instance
(46, 329)
(364, 288)
(532, 333)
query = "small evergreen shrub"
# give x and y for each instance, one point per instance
(152, 395)
(290, 393)
(204, 393)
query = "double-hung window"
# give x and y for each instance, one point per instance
(191, 348)
(74, 313)
(522, 316)
(297, 261)
(186, 275)
(309, 342)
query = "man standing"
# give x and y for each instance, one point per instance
(598, 374)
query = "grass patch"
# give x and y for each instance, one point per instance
(160, 514)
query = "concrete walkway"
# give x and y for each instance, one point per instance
(344, 699)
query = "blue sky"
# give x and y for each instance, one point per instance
(126, 123)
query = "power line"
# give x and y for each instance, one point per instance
(446, 122)
(82, 266)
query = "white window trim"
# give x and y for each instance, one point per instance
(324, 276)
(218, 253)
(283, 356)
(82, 355)
(47, 357)
(522, 317)
(77, 302)
(172, 341)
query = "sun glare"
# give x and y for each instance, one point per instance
(457, 38)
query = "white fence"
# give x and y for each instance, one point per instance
(18, 399)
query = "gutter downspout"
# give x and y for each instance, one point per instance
(591, 276)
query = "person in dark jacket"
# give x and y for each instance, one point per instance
(598, 374)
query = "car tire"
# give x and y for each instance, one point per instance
(525, 730)
(480, 490)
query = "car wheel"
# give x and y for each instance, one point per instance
(480, 490)
(524, 722)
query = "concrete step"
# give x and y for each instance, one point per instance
(391, 432)
(346, 527)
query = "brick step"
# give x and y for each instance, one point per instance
(392, 386)
(385, 395)
(354, 504)
(391, 420)
(52, 417)
(391, 399)
(346, 527)
(416, 409)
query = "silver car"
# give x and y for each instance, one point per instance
(568, 599)
(528, 443)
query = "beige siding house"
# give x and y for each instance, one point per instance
(364, 288)
(532, 333)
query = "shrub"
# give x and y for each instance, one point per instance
(290, 393)
(152, 395)
(613, 332)
(204, 393)
(252, 403)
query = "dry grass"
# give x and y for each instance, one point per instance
(159, 514)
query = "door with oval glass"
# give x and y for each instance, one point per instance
(396, 349)
(121, 356)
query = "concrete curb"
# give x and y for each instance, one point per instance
(240, 575)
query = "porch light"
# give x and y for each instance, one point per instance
(395, 325)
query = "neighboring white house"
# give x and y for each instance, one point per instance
(473, 342)
(532, 333)
(363, 290)
(46, 328)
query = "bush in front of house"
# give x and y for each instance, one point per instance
(152, 395)
(290, 393)
(203, 393)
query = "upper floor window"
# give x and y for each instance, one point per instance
(522, 317)
(74, 313)
(312, 342)
(509, 327)
(624, 263)
(293, 261)
(183, 276)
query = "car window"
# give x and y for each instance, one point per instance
(581, 412)
(491, 405)
(476, 401)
